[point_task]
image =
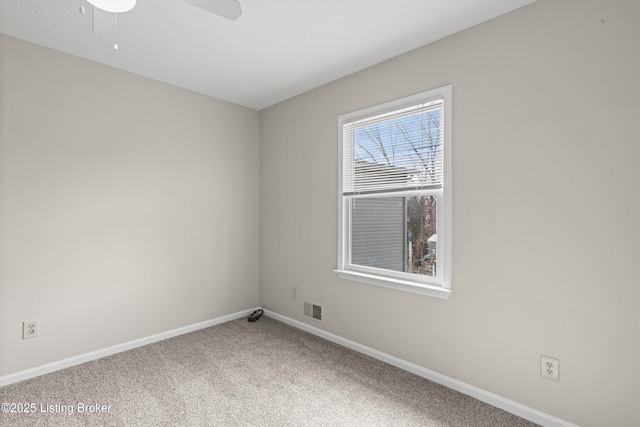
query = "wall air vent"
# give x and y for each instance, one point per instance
(313, 310)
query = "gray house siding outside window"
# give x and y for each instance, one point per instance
(378, 234)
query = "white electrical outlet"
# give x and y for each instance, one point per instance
(294, 292)
(550, 368)
(29, 329)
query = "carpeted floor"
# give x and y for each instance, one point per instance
(243, 374)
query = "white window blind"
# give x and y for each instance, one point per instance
(396, 151)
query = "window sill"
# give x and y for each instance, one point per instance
(402, 285)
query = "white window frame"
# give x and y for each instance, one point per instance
(440, 286)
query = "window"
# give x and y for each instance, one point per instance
(395, 194)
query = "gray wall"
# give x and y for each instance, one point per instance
(127, 207)
(546, 210)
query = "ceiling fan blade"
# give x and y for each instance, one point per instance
(229, 9)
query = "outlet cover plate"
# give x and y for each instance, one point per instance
(30, 329)
(550, 368)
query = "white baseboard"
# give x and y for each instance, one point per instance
(510, 406)
(492, 399)
(119, 348)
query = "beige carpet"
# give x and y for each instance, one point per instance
(243, 374)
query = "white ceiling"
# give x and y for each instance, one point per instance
(277, 49)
